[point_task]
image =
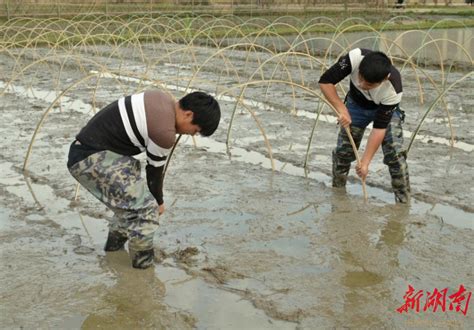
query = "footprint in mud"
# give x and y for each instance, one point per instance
(79, 249)
(187, 255)
(74, 240)
(83, 250)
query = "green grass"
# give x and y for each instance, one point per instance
(243, 10)
(183, 31)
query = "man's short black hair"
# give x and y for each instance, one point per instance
(375, 67)
(207, 112)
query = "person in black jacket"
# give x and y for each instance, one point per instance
(101, 159)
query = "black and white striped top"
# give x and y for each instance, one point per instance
(384, 99)
(134, 124)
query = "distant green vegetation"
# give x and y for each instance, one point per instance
(88, 29)
(244, 10)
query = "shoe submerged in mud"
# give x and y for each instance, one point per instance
(142, 259)
(402, 199)
(115, 241)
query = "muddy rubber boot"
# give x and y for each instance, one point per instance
(400, 184)
(142, 259)
(340, 170)
(115, 241)
(402, 197)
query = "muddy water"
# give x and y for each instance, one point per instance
(240, 246)
(54, 267)
(429, 47)
(273, 251)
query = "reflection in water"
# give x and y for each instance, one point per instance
(140, 300)
(438, 45)
(361, 279)
(426, 46)
(385, 262)
(367, 240)
(393, 232)
(135, 301)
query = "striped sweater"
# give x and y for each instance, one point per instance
(134, 124)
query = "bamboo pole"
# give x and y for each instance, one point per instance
(174, 32)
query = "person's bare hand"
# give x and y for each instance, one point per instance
(362, 170)
(161, 209)
(344, 118)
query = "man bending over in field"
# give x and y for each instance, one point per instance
(101, 160)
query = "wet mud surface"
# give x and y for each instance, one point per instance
(240, 245)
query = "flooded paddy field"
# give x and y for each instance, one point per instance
(251, 238)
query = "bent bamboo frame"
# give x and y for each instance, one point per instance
(227, 55)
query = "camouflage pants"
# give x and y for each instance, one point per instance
(117, 182)
(392, 147)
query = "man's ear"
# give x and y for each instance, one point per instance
(188, 114)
